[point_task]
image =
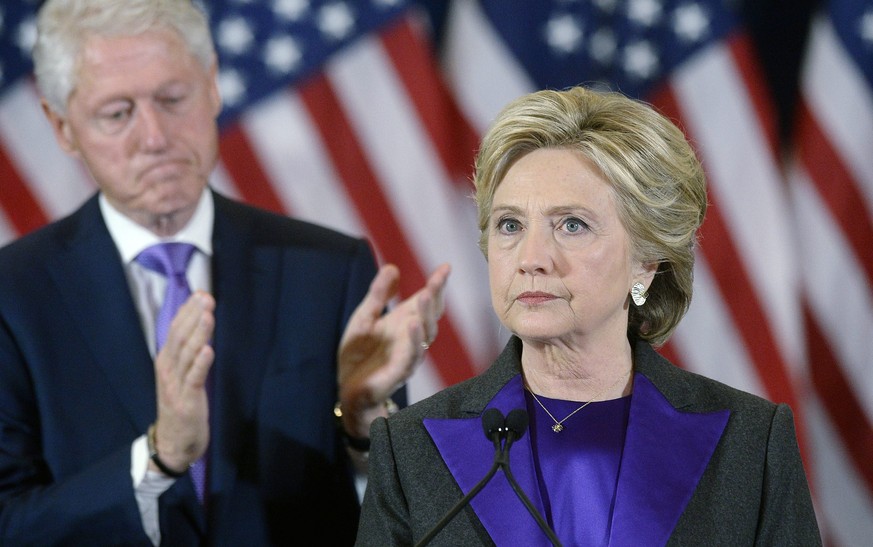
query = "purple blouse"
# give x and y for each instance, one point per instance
(578, 468)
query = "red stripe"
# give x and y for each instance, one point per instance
(362, 186)
(745, 59)
(838, 397)
(16, 200)
(241, 162)
(737, 291)
(453, 139)
(668, 351)
(837, 188)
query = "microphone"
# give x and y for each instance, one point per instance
(515, 426)
(492, 424)
(497, 428)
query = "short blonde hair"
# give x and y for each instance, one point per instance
(655, 176)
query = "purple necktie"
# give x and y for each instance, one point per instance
(171, 260)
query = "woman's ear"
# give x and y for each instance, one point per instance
(646, 273)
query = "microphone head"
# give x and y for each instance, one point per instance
(516, 421)
(492, 422)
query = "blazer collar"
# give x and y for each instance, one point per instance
(666, 451)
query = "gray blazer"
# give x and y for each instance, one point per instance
(703, 464)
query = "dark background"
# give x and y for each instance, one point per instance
(778, 29)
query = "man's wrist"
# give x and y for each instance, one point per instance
(359, 444)
(154, 457)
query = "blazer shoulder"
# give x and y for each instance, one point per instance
(685, 388)
(22, 255)
(270, 228)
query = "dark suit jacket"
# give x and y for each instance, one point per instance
(703, 464)
(77, 386)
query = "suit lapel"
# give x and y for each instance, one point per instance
(469, 455)
(245, 286)
(665, 454)
(91, 282)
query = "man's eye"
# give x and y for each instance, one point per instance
(113, 120)
(171, 100)
(114, 115)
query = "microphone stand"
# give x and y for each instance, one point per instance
(516, 423)
(496, 428)
(492, 422)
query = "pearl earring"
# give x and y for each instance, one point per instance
(639, 294)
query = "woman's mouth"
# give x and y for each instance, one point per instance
(535, 297)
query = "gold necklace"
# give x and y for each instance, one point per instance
(558, 427)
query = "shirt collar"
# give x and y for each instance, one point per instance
(131, 238)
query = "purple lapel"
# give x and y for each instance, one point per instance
(665, 454)
(469, 455)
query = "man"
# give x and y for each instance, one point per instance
(106, 418)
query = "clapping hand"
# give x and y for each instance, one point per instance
(379, 351)
(181, 369)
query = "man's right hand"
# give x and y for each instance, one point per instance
(181, 369)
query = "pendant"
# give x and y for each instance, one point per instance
(557, 428)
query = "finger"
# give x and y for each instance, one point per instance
(187, 319)
(199, 370)
(198, 338)
(431, 303)
(191, 329)
(382, 289)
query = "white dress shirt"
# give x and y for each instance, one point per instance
(148, 288)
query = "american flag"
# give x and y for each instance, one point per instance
(353, 114)
(831, 177)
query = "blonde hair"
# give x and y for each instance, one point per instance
(655, 176)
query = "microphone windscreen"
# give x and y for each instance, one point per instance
(516, 421)
(492, 421)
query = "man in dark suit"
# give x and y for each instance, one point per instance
(106, 419)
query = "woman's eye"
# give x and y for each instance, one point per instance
(573, 225)
(508, 226)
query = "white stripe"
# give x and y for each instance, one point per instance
(483, 74)
(842, 103)
(846, 504)
(221, 181)
(7, 233)
(424, 382)
(438, 221)
(289, 149)
(58, 182)
(707, 340)
(836, 287)
(745, 184)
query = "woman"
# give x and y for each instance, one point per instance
(589, 205)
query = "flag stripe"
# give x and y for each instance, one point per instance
(844, 200)
(242, 163)
(364, 189)
(452, 138)
(743, 55)
(21, 208)
(724, 262)
(838, 397)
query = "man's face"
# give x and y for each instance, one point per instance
(142, 117)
